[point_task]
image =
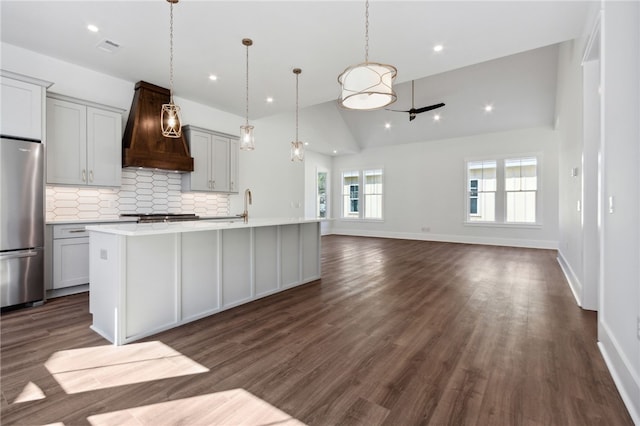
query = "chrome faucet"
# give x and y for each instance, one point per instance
(247, 199)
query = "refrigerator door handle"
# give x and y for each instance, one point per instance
(18, 254)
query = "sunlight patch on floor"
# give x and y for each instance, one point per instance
(31, 392)
(100, 367)
(232, 407)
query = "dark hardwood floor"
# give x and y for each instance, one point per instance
(397, 332)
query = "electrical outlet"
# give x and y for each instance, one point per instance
(103, 254)
(425, 229)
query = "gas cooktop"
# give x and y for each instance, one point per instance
(161, 217)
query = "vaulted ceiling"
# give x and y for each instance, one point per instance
(502, 53)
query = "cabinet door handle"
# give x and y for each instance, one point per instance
(84, 175)
(213, 184)
(74, 231)
(91, 176)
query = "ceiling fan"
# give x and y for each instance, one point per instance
(415, 111)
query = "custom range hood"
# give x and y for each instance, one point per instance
(143, 144)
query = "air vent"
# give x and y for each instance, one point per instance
(108, 46)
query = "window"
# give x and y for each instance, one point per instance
(473, 196)
(373, 194)
(481, 176)
(502, 190)
(367, 204)
(350, 194)
(521, 185)
(353, 198)
(321, 194)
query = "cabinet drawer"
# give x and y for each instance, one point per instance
(70, 231)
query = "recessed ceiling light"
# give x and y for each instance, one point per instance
(438, 48)
(387, 125)
(92, 28)
(488, 108)
(269, 100)
(436, 117)
(335, 151)
(213, 77)
(306, 144)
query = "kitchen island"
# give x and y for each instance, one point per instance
(146, 278)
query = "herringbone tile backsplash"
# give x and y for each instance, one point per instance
(142, 191)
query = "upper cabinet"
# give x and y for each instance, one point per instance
(84, 143)
(22, 104)
(215, 161)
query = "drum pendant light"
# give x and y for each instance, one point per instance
(170, 116)
(247, 142)
(368, 85)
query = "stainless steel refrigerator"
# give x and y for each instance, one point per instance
(21, 221)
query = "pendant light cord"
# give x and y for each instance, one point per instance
(171, 53)
(247, 87)
(366, 33)
(297, 75)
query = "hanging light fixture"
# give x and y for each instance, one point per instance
(368, 85)
(246, 131)
(297, 147)
(170, 117)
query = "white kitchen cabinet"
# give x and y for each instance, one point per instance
(70, 265)
(67, 257)
(22, 105)
(215, 161)
(84, 143)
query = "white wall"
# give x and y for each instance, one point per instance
(276, 183)
(619, 312)
(424, 187)
(569, 102)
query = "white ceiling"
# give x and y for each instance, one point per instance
(323, 38)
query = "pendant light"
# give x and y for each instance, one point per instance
(170, 117)
(246, 131)
(368, 85)
(297, 147)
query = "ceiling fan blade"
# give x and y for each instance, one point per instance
(397, 110)
(429, 108)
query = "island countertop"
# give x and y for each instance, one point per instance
(134, 229)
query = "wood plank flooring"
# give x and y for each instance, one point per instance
(397, 332)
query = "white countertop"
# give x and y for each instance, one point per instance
(133, 229)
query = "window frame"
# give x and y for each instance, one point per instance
(501, 193)
(363, 207)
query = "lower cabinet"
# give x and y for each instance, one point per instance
(67, 257)
(70, 262)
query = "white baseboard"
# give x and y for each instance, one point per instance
(574, 283)
(464, 239)
(626, 380)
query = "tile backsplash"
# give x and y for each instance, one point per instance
(142, 191)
